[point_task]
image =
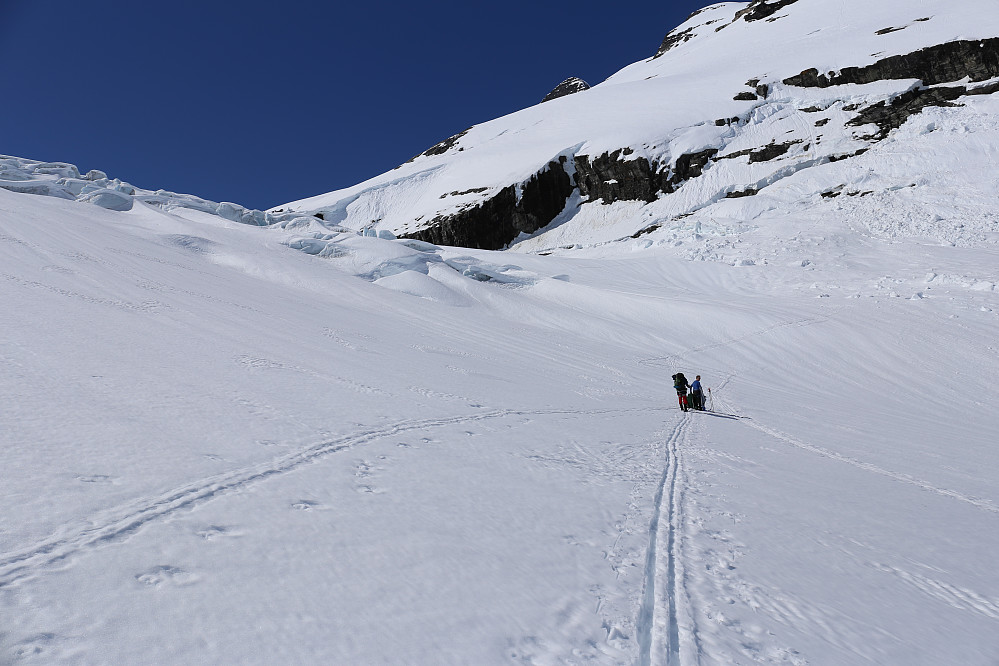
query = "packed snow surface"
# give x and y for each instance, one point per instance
(245, 437)
(226, 443)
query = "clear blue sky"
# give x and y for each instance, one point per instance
(266, 102)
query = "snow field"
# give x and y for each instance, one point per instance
(228, 450)
(229, 436)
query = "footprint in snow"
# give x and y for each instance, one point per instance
(35, 647)
(95, 478)
(305, 505)
(163, 575)
(215, 531)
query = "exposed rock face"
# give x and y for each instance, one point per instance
(761, 9)
(568, 87)
(892, 115)
(494, 223)
(977, 60)
(674, 38)
(688, 165)
(943, 63)
(610, 178)
(771, 151)
(934, 65)
(442, 147)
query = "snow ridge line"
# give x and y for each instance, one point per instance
(658, 627)
(121, 522)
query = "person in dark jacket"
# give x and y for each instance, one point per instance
(681, 386)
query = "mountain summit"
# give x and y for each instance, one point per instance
(738, 102)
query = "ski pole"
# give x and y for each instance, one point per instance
(712, 400)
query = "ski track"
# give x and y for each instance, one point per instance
(952, 595)
(984, 504)
(663, 617)
(672, 359)
(121, 522)
(840, 631)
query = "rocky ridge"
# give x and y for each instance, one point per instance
(568, 87)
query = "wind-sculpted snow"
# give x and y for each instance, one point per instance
(409, 266)
(402, 265)
(63, 180)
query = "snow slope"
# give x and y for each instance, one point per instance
(720, 87)
(231, 436)
(217, 448)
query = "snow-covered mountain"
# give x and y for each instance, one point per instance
(762, 100)
(231, 436)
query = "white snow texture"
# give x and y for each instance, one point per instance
(237, 437)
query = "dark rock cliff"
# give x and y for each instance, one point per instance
(674, 38)
(893, 114)
(568, 87)
(611, 178)
(761, 9)
(494, 223)
(943, 63)
(442, 147)
(976, 60)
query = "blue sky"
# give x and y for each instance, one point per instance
(267, 102)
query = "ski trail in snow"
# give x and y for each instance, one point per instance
(952, 595)
(658, 619)
(978, 502)
(984, 504)
(673, 359)
(121, 522)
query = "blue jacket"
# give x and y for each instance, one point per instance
(696, 386)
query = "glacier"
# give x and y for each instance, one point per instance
(309, 435)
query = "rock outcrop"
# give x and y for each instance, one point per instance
(761, 9)
(943, 63)
(494, 223)
(568, 87)
(610, 177)
(976, 60)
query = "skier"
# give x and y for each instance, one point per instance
(696, 394)
(680, 384)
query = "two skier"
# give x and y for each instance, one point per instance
(696, 398)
